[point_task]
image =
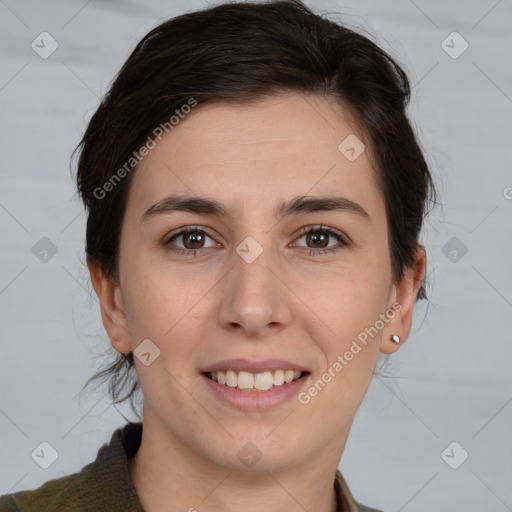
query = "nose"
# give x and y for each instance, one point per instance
(255, 299)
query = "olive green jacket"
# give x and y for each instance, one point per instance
(105, 485)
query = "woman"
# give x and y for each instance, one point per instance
(255, 195)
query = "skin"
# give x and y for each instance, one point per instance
(289, 304)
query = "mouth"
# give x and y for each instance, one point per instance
(256, 382)
(254, 385)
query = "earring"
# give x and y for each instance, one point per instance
(395, 338)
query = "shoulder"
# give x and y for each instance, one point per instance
(58, 494)
(104, 484)
(362, 508)
(345, 499)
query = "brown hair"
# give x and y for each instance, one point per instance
(241, 52)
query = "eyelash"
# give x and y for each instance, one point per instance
(342, 239)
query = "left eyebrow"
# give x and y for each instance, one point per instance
(211, 207)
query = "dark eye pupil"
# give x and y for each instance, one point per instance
(195, 238)
(315, 237)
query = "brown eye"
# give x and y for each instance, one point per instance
(317, 239)
(191, 238)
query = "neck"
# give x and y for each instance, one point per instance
(168, 475)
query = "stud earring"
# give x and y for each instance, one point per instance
(395, 338)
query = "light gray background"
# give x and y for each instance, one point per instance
(450, 382)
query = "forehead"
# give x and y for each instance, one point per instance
(246, 154)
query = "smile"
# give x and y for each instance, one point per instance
(248, 391)
(261, 381)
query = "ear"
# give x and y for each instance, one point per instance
(401, 302)
(112, 307)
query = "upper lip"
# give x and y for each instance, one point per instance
(239, 364)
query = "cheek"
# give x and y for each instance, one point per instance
(350, 301)
(167, 307)
(351, 309)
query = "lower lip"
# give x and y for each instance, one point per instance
(256, 400)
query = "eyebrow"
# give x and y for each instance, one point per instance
(211, 207)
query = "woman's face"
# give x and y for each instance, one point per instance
(255, 293)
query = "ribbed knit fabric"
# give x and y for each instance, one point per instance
(105, 485)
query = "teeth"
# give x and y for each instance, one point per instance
(264, 381)
(231, 379)
(278, 377)
(255, 381)
(245, 380)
